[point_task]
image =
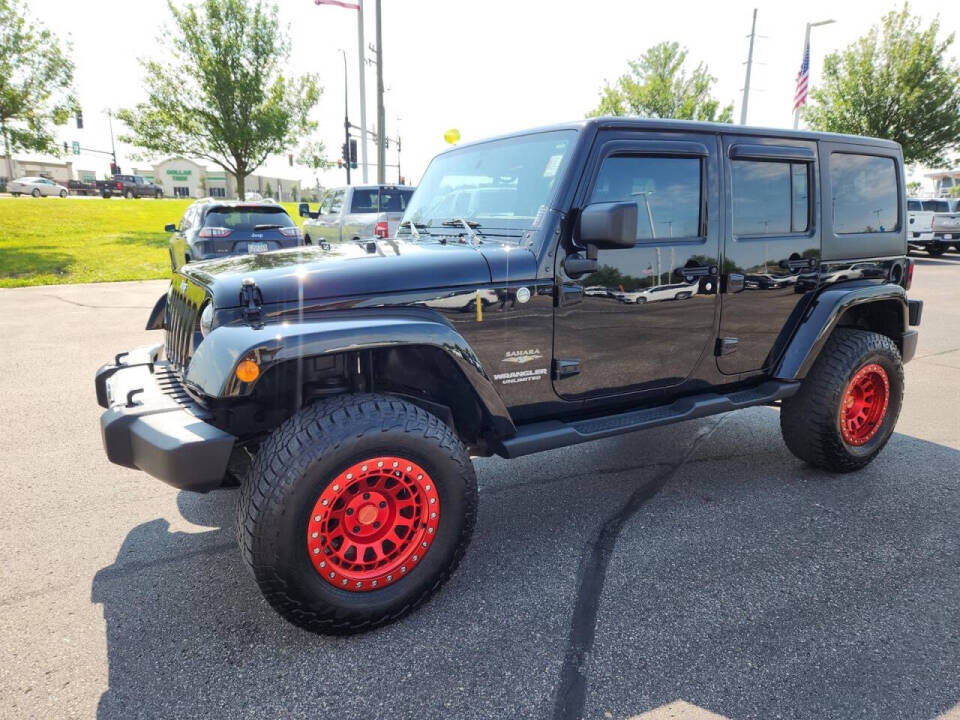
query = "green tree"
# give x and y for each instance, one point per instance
(659, 86)
(895, 82)
(222, 95)
(36, 74)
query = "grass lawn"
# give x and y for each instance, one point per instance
(44, 241)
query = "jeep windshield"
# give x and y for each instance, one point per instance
(501, 185)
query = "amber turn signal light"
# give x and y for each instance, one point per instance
(248, 371)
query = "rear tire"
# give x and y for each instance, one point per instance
(936, 250)
(129, 195)
(331, 466)
(848, 405)
(36, 192)
(63, 193)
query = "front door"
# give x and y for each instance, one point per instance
(645, 316)
(771, 248)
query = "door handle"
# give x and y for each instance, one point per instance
(734, 283)
(695, 271)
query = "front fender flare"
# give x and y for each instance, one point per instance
(155, 321)
(211, 370)
(822, 317)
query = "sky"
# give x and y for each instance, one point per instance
(485, 68)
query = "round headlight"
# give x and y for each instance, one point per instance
(206, 319)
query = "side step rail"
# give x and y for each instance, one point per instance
(551, 434)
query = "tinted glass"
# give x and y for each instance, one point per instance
(500, 184)
(936, 205)
(914, 205)
(770, 198)
(242, 218)
(365, 201)
(336, 201)
(394, 200)
(666, 191)
(865, 198)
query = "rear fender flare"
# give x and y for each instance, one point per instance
(212, 368)
(823, 315)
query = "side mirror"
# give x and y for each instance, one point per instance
(304, 209)
(170, 227)
(608, 226)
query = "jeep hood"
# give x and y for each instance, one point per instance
(343, 269)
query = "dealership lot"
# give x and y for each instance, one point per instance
(696, 568)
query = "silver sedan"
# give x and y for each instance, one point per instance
(35, 186)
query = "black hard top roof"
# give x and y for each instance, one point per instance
(654, 124)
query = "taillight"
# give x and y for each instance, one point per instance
(215, 232)
(908, 281)
(381, 230)
(290, 232)
(119, 186)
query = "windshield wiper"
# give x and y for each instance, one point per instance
(267, 227)
(468, 225)
(414, 228)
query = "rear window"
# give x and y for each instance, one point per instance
(936, 205)
(770, 198)
(247, 218)
(865, 197)
(914, 205)
(380, 200)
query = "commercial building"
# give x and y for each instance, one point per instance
(178, 176)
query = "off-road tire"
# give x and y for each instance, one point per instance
(295, 466)
(810, 420)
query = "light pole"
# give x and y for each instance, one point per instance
(346, 114)
(746, 82)
(381, 122)
(806, 51)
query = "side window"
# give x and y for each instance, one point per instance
(336, 202)
(865, 196)
(770, 198)
(665, 189)
(187, 221)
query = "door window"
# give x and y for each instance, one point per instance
(770, 198)
(336, 202)
(665, 189)
(865, 196)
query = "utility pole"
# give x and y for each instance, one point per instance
(381, 120)
(346, 115)
(746, 82)
(363, 94)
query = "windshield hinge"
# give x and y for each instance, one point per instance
(251, 300)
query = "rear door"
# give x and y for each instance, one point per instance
(771, 245)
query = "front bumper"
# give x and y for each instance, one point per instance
(151, 423)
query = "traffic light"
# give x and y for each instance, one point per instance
(65, 148)
(353, 154)
(114, 169)
(345, 153)
(290, 159)
(79, 119)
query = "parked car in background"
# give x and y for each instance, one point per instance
(36, 186)
(919, 225)
(946, 224)
(214, 228)
(673, 291)
(355, 213)
(129, 186)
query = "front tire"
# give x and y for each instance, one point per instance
(847, 407)
(355, 511)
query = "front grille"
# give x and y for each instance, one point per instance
(169, 383)
(182, 322)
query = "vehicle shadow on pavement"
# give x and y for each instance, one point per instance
(750, 586)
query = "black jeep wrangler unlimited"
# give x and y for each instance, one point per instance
(349, 385)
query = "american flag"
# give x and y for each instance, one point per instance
(803, 80)
(348, 5)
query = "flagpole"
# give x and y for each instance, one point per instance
(806, 44)
(363, 93)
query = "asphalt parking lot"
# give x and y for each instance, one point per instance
(693, 571)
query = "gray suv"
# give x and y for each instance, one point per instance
(355, 213)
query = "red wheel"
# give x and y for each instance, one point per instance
(864, 404)
(373, 523)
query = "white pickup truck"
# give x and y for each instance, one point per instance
(919, 225)
(944, 224)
